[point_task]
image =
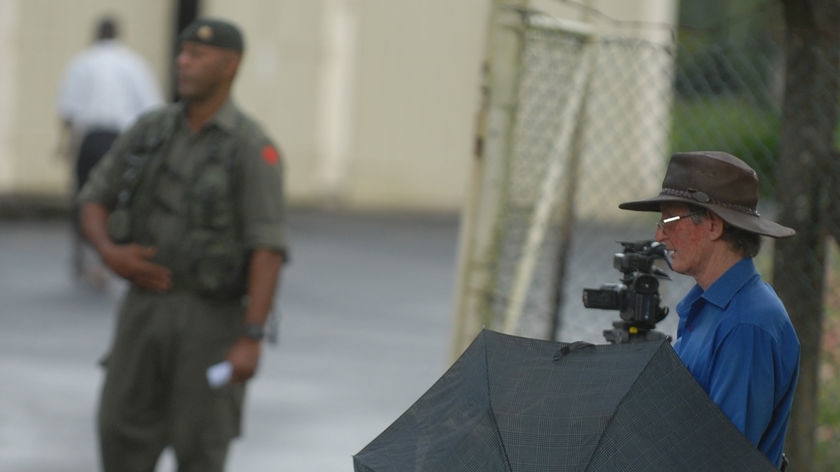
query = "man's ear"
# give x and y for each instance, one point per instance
(716, 226)
(231, 63)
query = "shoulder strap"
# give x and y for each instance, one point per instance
(153, 134)
(141, 161)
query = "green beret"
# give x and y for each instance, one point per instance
(214, 32)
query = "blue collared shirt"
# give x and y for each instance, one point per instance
(738, 342)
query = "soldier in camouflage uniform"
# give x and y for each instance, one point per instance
(188, 207)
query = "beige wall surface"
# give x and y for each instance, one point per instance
(418, 90)
(45, 35)
(279, 80)
(8, 59)
(372, 102)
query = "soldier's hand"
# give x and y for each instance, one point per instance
(244, 357)
(133, 263)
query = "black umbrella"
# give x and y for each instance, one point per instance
(514, 404)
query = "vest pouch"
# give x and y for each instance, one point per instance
(215, 265)
(212, 205)
(119, 226)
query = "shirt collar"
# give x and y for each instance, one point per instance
(225, 118)
(725, 287)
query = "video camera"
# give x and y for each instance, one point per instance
(636, 297)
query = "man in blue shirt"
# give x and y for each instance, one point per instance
(734, 333)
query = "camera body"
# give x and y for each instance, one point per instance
(636, 297)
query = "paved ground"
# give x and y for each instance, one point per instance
(365, 321)
(366, 312)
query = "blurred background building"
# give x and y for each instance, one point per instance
(374, 102)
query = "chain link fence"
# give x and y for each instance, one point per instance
(593, 114)
(589, 129)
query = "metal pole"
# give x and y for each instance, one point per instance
(494, 128)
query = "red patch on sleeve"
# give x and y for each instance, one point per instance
(270, 155)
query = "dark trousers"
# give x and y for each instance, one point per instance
(155, 393)
(94, 145)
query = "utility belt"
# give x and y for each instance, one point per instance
(210, 267)
(101, 130)
(183, 284)
(213, 267)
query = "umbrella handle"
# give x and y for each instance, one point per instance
(568, 348)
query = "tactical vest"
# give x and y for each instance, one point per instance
(211, 259)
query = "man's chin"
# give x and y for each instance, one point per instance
(184, 89)
(676, 265)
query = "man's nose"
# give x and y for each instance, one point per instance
(660, 234)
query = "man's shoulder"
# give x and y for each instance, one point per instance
(250, 131)
(253, 143)
(758, 305)
(155, 125)
(163, 113)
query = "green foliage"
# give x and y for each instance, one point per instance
(731, 124)
(828, 421)
(828, 430)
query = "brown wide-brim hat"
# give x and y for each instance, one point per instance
(719, 182)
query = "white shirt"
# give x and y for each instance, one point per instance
(107, 86)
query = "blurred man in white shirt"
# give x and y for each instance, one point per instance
(104, 89)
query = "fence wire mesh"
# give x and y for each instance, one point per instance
(643, 96)
(594, 115)
(619, 124)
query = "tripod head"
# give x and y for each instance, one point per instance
(636, 296)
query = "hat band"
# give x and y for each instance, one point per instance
(703, 197)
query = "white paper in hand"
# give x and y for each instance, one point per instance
(219, 374)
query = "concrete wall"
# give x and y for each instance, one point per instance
(279, 79)
(38, 38)
(9, 58)
(373, 102)
(423, 90)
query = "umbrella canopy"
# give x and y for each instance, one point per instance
(512, 404)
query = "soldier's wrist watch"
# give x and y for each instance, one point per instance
(253, 331)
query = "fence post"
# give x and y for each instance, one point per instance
(493, 148)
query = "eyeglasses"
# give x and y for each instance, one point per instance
(672, 219)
